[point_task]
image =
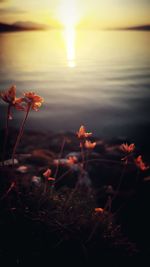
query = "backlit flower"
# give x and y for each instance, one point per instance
(99, 210)
(19, 104)
(82, 133)
(140, 164)
(9, 95)
(89, 144)
(72, 160)
(51, 179)
(127, 148)
(35, 101)
(47, 175)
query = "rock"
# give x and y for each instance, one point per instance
(36, 180)
(22, 169)
(74, 154)
(9, 162)
(41, 157)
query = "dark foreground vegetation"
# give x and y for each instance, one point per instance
(71, 199)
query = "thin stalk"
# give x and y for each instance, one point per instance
(75, 188)
(60, 155)
(6, 135)
(108, 161)
(57, 168)
(119, 184)
(45, 186)
(20, 134)
(82, 152)
(93, 231)
(87, 154)
(62, 176)
(71, 196)
(9, 190)
(82, 169)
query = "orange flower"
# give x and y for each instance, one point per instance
(47, 175)
(82, 133)
(51, 179)
(33, 100)
(140, 164)
(72, 160)
(89, 144)
(19, 104)
(127, 148)
(99, 210)
(9, 95)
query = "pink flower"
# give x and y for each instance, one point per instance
(127, 148)
(47, 175)
(51, 179)
(140, 164)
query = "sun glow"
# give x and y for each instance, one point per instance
(69, 17)
(68, 14)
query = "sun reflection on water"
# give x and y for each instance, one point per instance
(69, 16)
(69, 35)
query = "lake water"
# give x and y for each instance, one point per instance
(96, 78)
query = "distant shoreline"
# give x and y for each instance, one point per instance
(16, 27)
(30, 26)
(135, 28)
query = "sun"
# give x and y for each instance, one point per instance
(68, 14)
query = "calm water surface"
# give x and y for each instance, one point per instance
(100, 79)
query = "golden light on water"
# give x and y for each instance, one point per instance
(69, 35)
(69, 17)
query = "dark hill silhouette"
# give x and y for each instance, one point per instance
(21, 26)
(134, 28)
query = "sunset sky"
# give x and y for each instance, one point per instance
(84, 13)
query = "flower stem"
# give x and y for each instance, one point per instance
(119, 184)
(59, 157)
(82, 152)
(20, 134)
(6, 135)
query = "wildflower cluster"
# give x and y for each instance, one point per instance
(83, 135)
(129, 149)
(21, 103)
(28, 101)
